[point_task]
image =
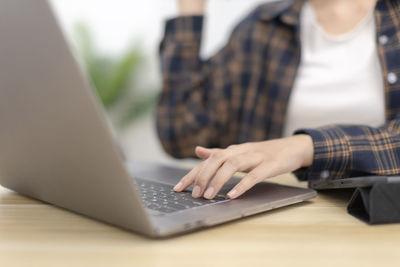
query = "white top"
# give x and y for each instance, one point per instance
(339, 80)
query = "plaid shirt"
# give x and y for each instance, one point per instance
(241, 93)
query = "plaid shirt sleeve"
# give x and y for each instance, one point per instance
(342, 151)
(190, 110)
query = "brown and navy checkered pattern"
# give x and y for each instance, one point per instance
(241, 93)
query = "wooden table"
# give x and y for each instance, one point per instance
(316, 233)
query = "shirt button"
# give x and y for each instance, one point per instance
(391, 78)
(325, 174)
(383, 39)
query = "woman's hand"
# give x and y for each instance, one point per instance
(260, 159)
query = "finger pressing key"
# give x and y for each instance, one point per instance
(232, 165)
(188, 179)
(208, 170)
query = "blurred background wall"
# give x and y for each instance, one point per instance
(118, 40)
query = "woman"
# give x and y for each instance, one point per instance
(325, 74)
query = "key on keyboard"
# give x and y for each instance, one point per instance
(162, 198)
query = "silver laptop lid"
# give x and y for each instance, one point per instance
(54, 142)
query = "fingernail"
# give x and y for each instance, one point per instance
(196, 191)
(232, 193)
(178, 186)
(209, 192)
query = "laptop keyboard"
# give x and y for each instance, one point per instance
(163, 199)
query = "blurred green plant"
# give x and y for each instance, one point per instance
(113, 77)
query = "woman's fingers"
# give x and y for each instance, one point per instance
(188, 179)
(258, 174)
(204, 153)
(246, 183)
(210, 167)
(240, 162)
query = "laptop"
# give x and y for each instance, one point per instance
(353, 182)
(56, 145)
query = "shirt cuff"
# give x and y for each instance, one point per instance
(184, 29)
(331, 154)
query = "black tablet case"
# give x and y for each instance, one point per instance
(377, 204)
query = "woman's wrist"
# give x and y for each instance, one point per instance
(191, 7)
(307, 148)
